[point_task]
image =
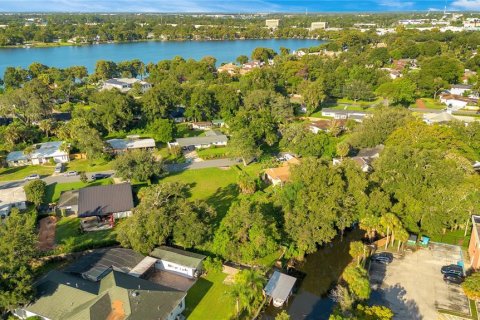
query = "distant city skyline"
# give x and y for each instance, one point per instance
(239, 6)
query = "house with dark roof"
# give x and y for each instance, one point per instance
(99, 206)
(62, 296)
(184, 263)
(68, 202)
(97, 264)
(364, 158)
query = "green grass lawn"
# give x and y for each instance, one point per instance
(184, 131)
(456, 237)
(210, 298)
(69, 238)
(54, 190)
(218, 187)
(213, 153)
(430, 103)
(89, 166)
(18, 173)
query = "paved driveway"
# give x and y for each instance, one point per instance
(60, 178)
(413, 287)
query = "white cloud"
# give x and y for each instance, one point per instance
(473, 5)
(396, 4)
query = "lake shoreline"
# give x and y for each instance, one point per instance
(39, 45)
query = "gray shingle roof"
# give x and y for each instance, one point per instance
(123, 144)
(104, 200)
(194, 141)
(68, 199)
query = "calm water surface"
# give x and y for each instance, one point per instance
(149, 51)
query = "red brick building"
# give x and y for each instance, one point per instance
(474, 245)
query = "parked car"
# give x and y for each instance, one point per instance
(32, 177)
(452, 269)
(97, 176)
(71, 174)
(59, 167)
(452, 278)
(382, 257)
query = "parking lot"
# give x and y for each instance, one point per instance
(413, 287)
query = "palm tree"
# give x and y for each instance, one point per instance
(391, 222)
(247, 290)
(371, 224)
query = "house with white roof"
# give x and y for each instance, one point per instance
(11, 198)
(125, 84)
(42, 153)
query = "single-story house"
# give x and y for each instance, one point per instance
(344, 114)
(41, 154)
(474, 245)
(178, 261)
(177, 114)
(105, 204)
(62, 296)
(364, 158)
(122, 145)
(125, 84)
(96, 265)
(280, 175)
(457, 102)
(460, 89)
(229, 68)
(68, 202)
(202, 125)
(325, 125)
(200, 142)
(279, 288)
(10, 198)
(218, 123)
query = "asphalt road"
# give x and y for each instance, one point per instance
(60, 178)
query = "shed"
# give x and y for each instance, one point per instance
(412, 239)
(178, 261)
(279, 288)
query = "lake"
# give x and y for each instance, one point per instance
(147, 51)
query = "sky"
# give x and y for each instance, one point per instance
(234, 6)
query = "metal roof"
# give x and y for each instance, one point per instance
(181, 257)
(195, 141)
(93, 265)
(104, 200)
(280, 286)
(143, 266)
(123, 144)
(42, 150)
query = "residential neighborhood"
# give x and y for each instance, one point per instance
(319, 165)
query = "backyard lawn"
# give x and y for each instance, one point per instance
(432, 104)
(69, 238)
(18, 173)
(89, 166)
(210, 296)
(54, 190)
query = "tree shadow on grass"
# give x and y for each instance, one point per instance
(195, 295)
(222, 199)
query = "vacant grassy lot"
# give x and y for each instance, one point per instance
(433, 104)
(69, 237)
(210, 298)
(457, 237)
(90, 166)
(18, 173)
(54, 190)
(216, 186)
